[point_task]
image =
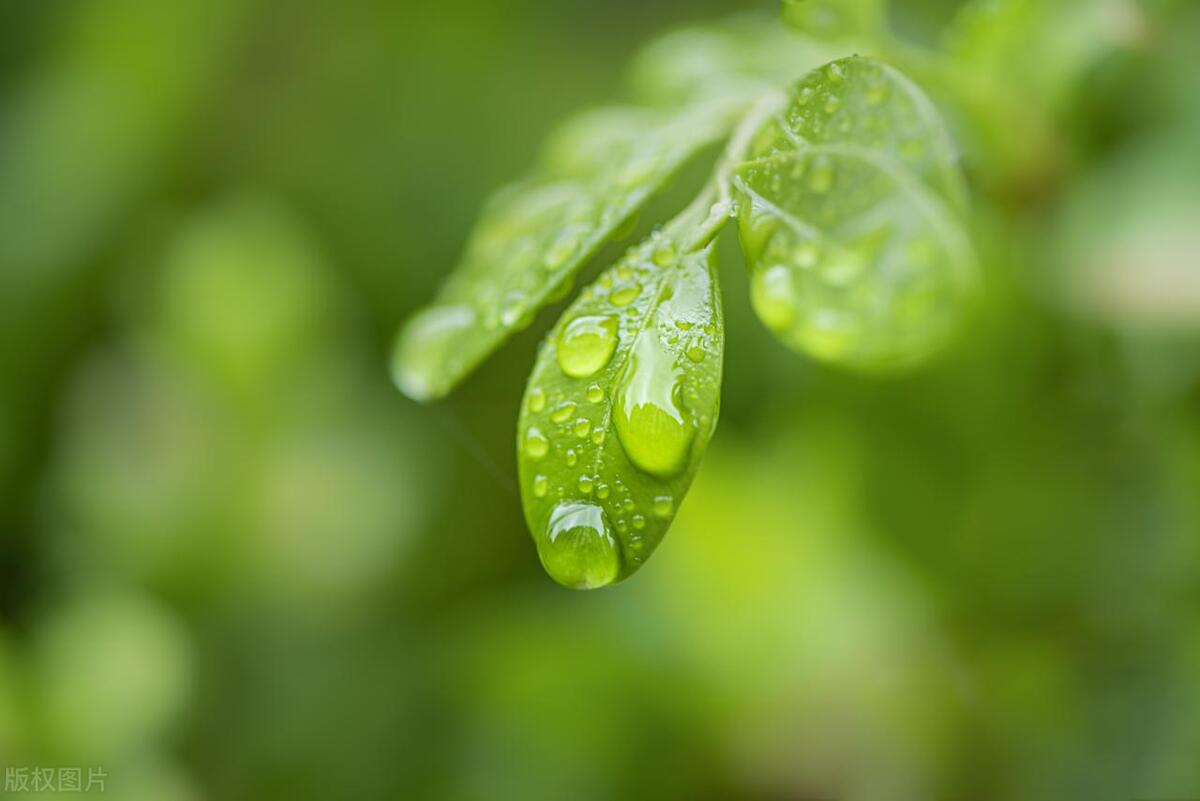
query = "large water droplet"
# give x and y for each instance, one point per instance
(649, 424)
(586, 344)
(578, 549)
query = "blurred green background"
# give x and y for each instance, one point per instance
(236, 564)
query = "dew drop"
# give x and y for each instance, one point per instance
(536, 444)
(835, 73)
(540, 486)
(586, 344)
(638, 521)
(805, 96)
(624, 295)
(598, 436)
(649, 424)
(578, 549)
(832, 104)
(602, 491)
(664, 505)
(664, 254)
(572, 457)
(695, 354)
(537, 400)
(585, 485)
(595, 394)
(563, 411)
(583, 427)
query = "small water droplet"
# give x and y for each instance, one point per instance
(624, 295)
(585, 485)
(602, 491)
(540, 486)
(536, 444)
(563, 411)
(583, 427)
(598, 436)
(595, 394)
(537, 400)
(664, 505)
(639, 522)
(586, 344)
(695, 354)
(664, 254)
(835, 73)
(572, 457)
(628, 505)
(832, 104)
(805, 96)
(578, 549)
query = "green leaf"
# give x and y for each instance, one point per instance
(619, 409)
(535, 235)
(837, 18)
(746, 53)
(852, 259)
(860, 101)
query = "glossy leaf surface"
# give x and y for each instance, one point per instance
(534, 236)
(618, 412)
(860, 101)
(853, 260)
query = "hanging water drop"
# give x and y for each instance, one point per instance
(578, 549)
(649, 424)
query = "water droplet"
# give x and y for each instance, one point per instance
(774, 297)
(540, 486)
(695, 353)
(624, 295)
(664, 505)
(650, 426)
(598, 436)
(664, 254)
(638, 521)
(578, 549)
(595, 394)
(585, 485)
(563, 411)
(805, 96)
(537, 400)
(628, 505)
(832, 104)
(583, 426)
(572, 457)
(602, 491)
(536, 444)
(835, 73)
(586, 344)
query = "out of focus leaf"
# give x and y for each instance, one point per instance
(534, 236)
(852, 259)
(860, 101)
(837, 18)
(618, 411)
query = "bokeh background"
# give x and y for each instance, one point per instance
(236, 564)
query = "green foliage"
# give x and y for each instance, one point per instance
(850, 207)
(535, 235)
(621, 404)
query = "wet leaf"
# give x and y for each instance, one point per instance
(618, 412)
(534, 236)
(853, 260)
(860, 101)
(745, 53)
